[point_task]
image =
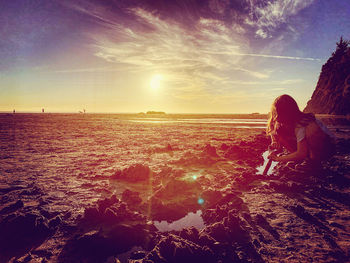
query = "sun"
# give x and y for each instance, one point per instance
(156, 81)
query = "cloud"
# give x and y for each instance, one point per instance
(291, 81)
(261, 33)
(279, 57)
(87, 70)
(234, 53)
(254, 74)
(267, 83)
(268, 16)
(201, 59)
(171, 49)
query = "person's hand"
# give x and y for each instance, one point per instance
(273, 146)
(273, 156)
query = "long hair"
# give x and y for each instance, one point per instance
(285, 115)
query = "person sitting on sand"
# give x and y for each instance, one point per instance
(304, 136)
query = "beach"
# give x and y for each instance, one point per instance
(165, 188)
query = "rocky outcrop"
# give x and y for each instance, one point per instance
(135, 173)
(107, 228)
(332, 93)
(22, 231)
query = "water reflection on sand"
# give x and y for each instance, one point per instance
(191, 219)
(262, 167)
(241, 123)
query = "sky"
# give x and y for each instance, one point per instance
(177, 56)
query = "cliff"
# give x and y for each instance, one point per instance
(332, 93)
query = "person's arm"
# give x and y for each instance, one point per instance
(299, 154)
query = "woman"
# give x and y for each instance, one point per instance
(304, 136)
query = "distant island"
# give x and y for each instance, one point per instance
(156, 112)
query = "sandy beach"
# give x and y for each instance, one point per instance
(174, 131)
(109, 187)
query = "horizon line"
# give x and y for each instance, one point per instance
(141, 112)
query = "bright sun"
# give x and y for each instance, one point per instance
(155, 81)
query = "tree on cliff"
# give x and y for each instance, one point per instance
(332, 93)
(341, 49)
(342, 46)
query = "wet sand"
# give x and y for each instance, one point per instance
(97, 188)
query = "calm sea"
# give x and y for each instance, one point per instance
(235, 120)
(229, 120)
(238, 123)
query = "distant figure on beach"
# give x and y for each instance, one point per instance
(42, 110)
(14, 111)
(304, 136)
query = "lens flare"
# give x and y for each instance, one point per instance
(200, 201)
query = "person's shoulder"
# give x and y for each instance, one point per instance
(299, 125)
(324, 128)
(300, 133)
(305, 120)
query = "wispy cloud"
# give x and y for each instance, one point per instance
(279, 57)
(261, 33)
(235, 53)
(207, 59)
(268, 16)
(87, 70)
(254, 74)
(168, 48)
(284, 82)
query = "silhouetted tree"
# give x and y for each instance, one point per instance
(342, 47)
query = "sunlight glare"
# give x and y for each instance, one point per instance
(156, 81)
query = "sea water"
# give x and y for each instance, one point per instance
(237, 123)
(191, 219)
(266, 160)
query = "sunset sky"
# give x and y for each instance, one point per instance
(180, 56)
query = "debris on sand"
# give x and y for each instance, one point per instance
(131, 198)
(177, 187)
(134, 173)
(22, 232)
(110, 211)
(11, 207)
(191, 159)
(210, 150)
(107, 229)
(173, 248)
